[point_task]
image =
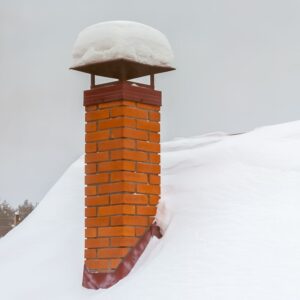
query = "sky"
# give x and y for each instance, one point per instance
(237, 68)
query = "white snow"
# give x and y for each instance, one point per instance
(230, 213)
(122, 39)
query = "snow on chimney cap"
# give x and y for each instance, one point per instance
(122, 49)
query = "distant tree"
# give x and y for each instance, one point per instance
(25, 209)
(6, 218)
(10, 217)
(6, 211)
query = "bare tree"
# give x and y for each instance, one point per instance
(6, 217)
(25, 209)
(6, 211)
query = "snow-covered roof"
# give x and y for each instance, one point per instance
(122, 40)
(230, 214)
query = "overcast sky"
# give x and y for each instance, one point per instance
(238, 67)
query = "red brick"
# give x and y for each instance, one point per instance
(129, 112)
(148, 146)
(128, 199)
(95, 157)
(90, 253)
(96, 115)
(148, 125)
(116, 210)
(154, 116)
(95, 222)
(123, 241)
(90, 190)
(99, 178)
(116, 144)
(129, 133)
(117, 122)
(154, 179)
(112, 252)
(139, 231)
(98, 200)
(116, 231)
(96, 243)
(154, 158)
(148, 106)
(90, 147)
(128, 176)
(129, 220)
(154, 137)
(116, 165)
(90, 232)
(97, 136)
(97, 264)
(146, 210)
(90, 211)
(148, 189)
(90, 126)
(90, 168)
(148, 168)
(153, 199)
(116, 188)
(129, 154)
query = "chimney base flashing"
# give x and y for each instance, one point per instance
(97, 281)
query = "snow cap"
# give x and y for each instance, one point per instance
(127, 40)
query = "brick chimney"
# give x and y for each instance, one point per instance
(122, 168)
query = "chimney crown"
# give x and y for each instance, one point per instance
(122, 50)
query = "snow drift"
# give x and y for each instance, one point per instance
(230, 213)
(122, 39)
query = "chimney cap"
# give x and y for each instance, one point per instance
(122, 69)
(122, 50)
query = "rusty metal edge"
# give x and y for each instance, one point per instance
(141, 69)
(105, 280)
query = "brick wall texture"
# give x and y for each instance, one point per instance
(122, 179)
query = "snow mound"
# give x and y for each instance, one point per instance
(122, 39)
(230, 215)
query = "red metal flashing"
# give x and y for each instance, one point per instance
(105, 280)
(117, 91)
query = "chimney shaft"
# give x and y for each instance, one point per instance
(122, 170)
